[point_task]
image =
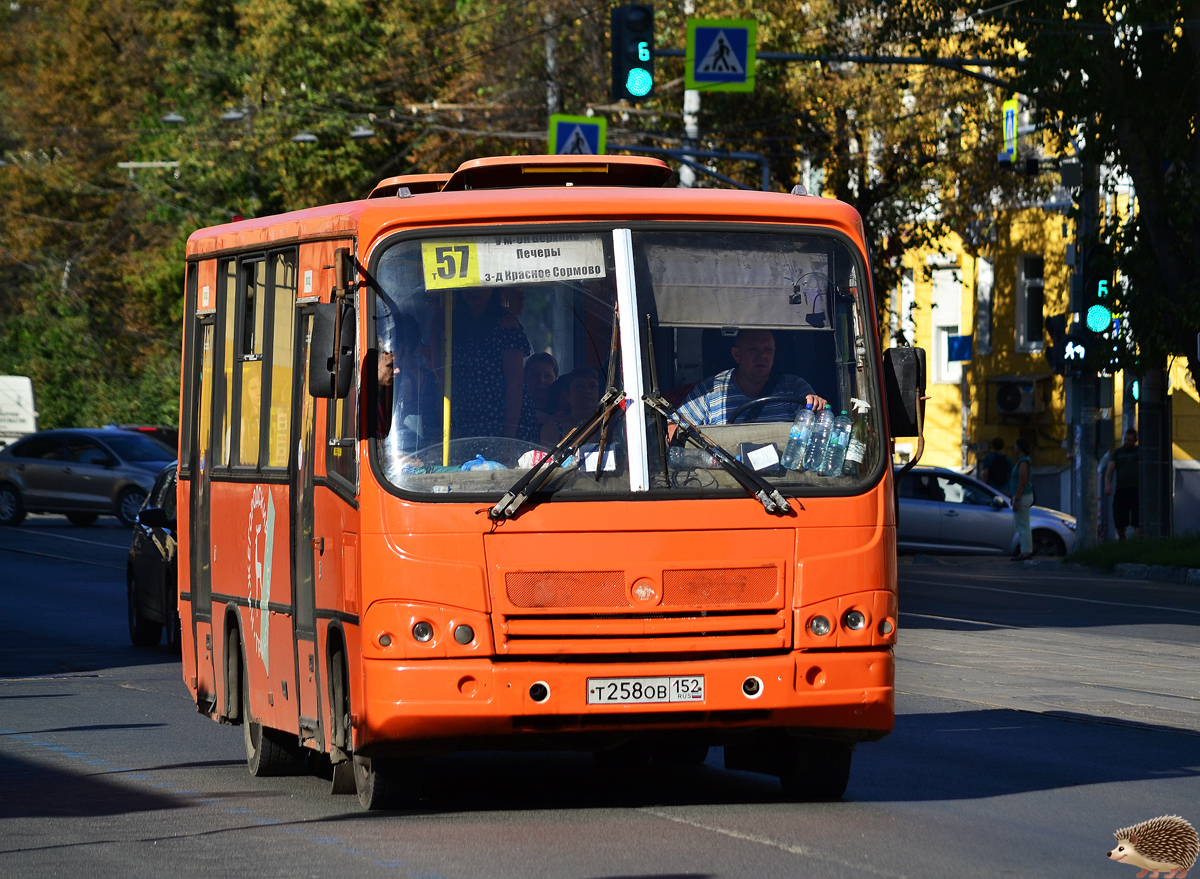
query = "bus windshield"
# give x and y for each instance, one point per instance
(503, 344)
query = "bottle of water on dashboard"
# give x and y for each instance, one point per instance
(839, 439)
(814, 455)
(798, 437)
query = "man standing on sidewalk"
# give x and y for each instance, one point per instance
(1121, 481)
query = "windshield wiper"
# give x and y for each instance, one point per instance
(540, 473)
(757, 487)
(569, 445)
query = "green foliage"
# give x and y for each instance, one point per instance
(1180, 552)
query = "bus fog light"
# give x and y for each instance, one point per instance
(423, 631)
(464, 634)
(886, 627)
(385, 640)
(752, 687)
(820, 626)
(539, 692)
(854, 620)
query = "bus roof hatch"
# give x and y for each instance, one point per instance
(416, 184)
(513, 172)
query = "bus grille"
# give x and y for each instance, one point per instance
(590, 612)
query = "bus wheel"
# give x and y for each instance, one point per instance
(814, 770)
(387, 784)
(268, 751)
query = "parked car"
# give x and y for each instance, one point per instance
(81, 473)
(150, 571)
(944, 511)
(166, 435)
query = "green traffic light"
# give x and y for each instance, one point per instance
(638, 82)
(1099, 319)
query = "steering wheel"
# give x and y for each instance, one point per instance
(763, 401)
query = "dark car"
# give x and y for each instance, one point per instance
(150, 571)
(79, 472)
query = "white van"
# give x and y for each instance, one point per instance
(18, 415)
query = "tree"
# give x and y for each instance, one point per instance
(1125, 79)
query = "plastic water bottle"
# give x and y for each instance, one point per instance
(839, 439)
(814, 455)
(798, 437)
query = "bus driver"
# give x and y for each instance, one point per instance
(714, 400)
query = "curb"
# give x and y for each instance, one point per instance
(1161, 573)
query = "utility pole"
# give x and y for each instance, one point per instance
(1155, 469)
(691, 117)
(1083, 388)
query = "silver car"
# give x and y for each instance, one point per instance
(81, 473)
(944, 511)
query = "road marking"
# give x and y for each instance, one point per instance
(790, 848)
(929, 616)
(72, 539)
(1059, 597)
(61, 558)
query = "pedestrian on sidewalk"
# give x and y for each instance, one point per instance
(1121, 481)
(1020, 486)
(996, 467)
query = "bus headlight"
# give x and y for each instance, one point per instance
(820, 626)
(464, 634)
(854, 620)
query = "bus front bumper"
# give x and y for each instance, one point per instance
(446, 700)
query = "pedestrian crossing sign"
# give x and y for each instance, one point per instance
(577, 135)
(720, 54)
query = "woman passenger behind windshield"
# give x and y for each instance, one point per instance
(488, 397)
(580, 392)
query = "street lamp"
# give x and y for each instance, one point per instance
(174, 118)
(361, 131)
(305, 137)
(232, 116)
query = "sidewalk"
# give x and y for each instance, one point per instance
(1123, 571)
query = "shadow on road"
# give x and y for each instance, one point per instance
(60, 794)
(963, 755)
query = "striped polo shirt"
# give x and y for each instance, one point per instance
(713, 400)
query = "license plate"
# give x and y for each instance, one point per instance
(637, 691)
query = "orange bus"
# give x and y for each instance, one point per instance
(493, 460)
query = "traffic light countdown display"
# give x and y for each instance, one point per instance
(1103, 328)
(632, 52)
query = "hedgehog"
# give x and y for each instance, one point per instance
(1167, 844)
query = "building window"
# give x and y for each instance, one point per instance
(947, 318)
(1031, 303)
(945, 370)
(984, 282)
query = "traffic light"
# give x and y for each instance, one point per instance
(632, 52)
(1102, 326)
(1056, 329)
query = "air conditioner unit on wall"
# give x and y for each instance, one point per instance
(1017, 398)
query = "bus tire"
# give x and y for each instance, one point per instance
(815, 770)
(142, 632)
(387, 784)
(12, 510)
(268, 751)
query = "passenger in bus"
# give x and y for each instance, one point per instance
(715, 399)
(541, 371)
(580, 391)
(409, 402)
(488, 395)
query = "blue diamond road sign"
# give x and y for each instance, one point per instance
(577, 135)
(720, 54)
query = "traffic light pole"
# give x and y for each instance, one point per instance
(1083, 388)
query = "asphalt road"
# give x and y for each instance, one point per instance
(1037, 713)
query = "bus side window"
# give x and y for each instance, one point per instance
(224, 347)
(250, 350)
(341, 451)
(283, 332)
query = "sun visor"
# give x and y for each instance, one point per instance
(707, 290)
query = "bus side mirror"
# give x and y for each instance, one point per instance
(904, 383)
(330, 375)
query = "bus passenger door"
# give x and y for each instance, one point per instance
(303, 547)
(200, 537)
